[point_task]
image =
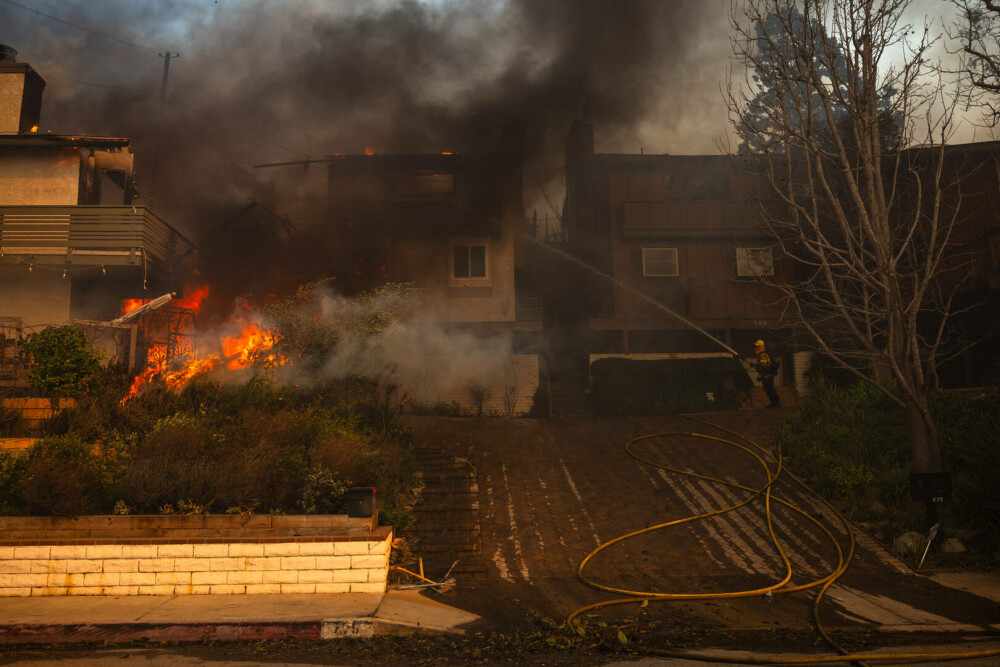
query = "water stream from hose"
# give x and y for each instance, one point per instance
(632, 290)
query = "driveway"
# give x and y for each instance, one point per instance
(552, 491)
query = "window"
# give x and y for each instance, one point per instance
(468, 262)
(754, 262)
(659, 261)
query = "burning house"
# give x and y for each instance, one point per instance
(73, 242)
(450, 225)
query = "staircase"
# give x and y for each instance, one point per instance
(569, 400)
(446, 520)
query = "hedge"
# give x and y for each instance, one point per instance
(622, 387)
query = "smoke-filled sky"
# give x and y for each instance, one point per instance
(273, 80)
(261, 81)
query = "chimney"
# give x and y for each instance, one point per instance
(20, 94)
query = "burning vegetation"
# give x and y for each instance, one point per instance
(176, 352)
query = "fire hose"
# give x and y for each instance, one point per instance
(777, 588)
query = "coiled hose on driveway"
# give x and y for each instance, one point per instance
(741, 442)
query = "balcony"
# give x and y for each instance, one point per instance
(88, 236)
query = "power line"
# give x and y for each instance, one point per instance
(80, 27)
(107, 85)
(226, 130)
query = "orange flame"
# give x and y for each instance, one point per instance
(369, 150)
(128, 305)
(247, 347)
(192, 300)
(250, 346)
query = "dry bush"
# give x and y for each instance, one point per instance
(177, 461)
(61, 479)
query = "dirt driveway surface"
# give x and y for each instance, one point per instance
(551, 491)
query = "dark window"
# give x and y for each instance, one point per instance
(470, 261)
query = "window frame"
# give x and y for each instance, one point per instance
(744, 266)
(470, 281)
(645, 261)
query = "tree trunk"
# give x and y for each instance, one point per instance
(923, 436)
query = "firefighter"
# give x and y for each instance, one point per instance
(766, 370)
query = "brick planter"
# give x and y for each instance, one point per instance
(192, 555)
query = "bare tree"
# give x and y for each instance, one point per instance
(978, 33)
(857, 209)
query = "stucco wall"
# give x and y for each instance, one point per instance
(39, 177)
(452, 301)
(40, 297)
(11, 90)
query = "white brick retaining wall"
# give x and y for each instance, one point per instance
(202, 566)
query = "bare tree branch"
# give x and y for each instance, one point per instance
(843, 119)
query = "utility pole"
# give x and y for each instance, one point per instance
(166, 72)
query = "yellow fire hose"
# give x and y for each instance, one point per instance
(777, 588)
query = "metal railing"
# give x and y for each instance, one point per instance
(87, 235)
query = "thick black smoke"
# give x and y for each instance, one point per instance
(269, 81)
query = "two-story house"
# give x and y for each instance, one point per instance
(73, 242)
(450, 224)
(685, 260)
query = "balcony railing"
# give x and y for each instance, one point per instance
(87, 235)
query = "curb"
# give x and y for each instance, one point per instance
(341, 628)
(167, 632)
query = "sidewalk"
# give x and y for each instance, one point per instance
(47, 620)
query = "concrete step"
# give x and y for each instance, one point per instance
(458, 489)
(447, 474)
(456, 546)
(445, 504)
(441, 462)
(446, 526)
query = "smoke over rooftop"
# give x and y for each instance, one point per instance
(268, 81)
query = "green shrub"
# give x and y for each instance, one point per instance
(387, 467)
(844, 440)
(61, 361)
(633, 387)
(850, 443)
(211, 448)
(397, 516)
(12, 469)
(323, 493)
(61, 478)
(12, 423)
(969, 430)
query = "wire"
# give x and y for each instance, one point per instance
(105, 85)
(80, 27)
(258, 138)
